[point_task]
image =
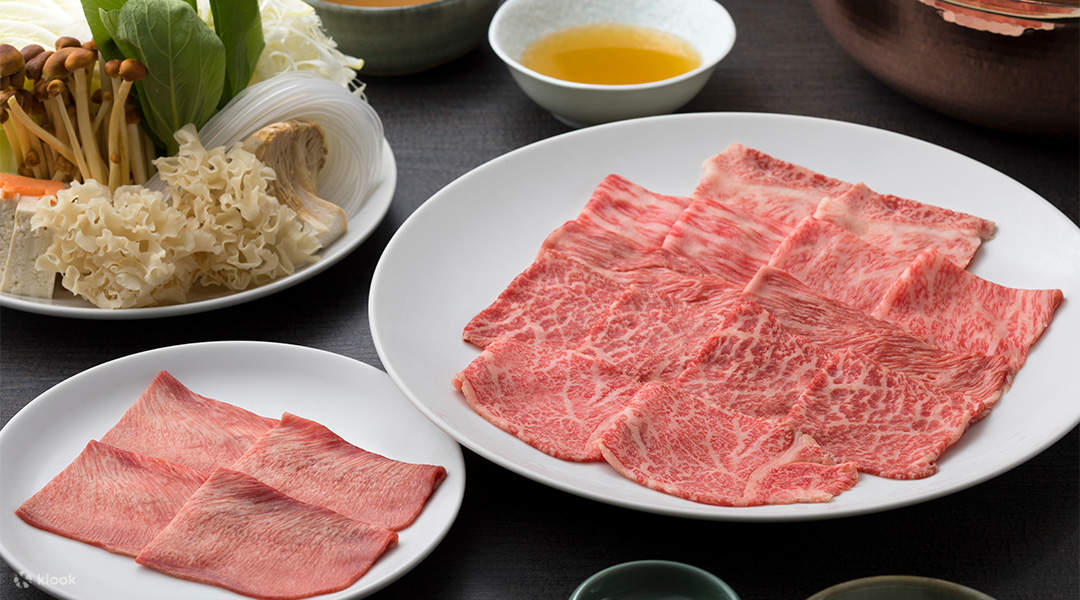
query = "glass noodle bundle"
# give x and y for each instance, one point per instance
(352, 128)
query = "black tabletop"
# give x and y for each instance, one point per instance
(1015, 536)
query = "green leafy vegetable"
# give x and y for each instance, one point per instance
(92, 9)
(238, 24)
(184, 59)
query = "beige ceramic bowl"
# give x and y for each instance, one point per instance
(406, 39)
(703, 23)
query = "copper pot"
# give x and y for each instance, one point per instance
(1007, 64)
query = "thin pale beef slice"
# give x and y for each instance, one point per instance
(653, 332)
(904, 228)
(764, 186)
(951, 308)
(723, 241)
(887, 423)
(753, 365)
(111, 498)
(837, 264)
(556, 300)
(551, 398)
(837, 327)
(313, 464)
(680, 444)
(238, 533)
(173, 423)
(625, 208)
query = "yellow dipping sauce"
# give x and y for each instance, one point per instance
(611, 54)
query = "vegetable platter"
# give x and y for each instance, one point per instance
(153, 150)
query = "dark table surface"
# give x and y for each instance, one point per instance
(1015, 536)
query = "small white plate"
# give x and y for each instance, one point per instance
(355, 400)
(361, 224)
(455, 254)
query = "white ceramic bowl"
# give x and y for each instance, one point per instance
(703, 23)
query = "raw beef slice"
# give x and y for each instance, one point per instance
(616, 235)
(551, 398)
(653, 332)
(240, 534)
(555, 301)
(765, 186)
(753, 365)
(951, 308)
(111, 498)
(555, 398)
(723, 241)
(625, 208)
(683, 445)
(888, 424)
(313, 464)
(837, 327)
(903, 227)
(171, 422)
(837, 264)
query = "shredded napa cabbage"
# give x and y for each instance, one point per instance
(295, 41)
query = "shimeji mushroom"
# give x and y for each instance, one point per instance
(55, 90)
(12, 65)
(79, 62)
(31, 127)
(130, 71)
(296, 150)
(134, 143)
(9, 65)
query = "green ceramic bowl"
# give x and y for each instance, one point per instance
(407, 39)
(899, 587)
(653, 580)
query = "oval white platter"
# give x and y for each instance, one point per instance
(454, 255)
(361, 224)
(355, 400)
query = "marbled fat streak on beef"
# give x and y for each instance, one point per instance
(551, 398)
(764, 186)
(902, 227)
(951, 308)
(838, 264)
(836, 327)
(554, 301)
(556, 399)
(724, 241)
(887, 423)
(753, 365)
(681, 444)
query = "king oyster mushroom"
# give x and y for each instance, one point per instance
(296, 150)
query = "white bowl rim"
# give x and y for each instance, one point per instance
(702, 68)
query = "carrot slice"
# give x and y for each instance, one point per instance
(12, 185)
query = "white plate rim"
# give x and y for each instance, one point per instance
(704, 513)
(361, 225)
(455, 462)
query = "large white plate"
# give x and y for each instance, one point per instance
(460, 249)
(361, 224)
(356, 401)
